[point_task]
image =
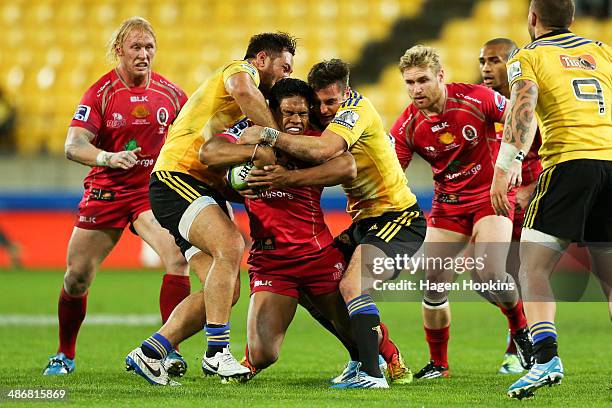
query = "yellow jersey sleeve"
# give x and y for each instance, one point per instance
(351, 120)
(241, 66)
(521, 67)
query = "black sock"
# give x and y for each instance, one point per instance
(365, 329)
(545, 350)
(149, 353)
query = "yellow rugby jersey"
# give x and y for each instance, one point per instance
(209, 111)
(380, 185)
(574, 76)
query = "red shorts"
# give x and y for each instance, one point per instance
(316, 274)
(461, 218)
(517, 226)
(105, 210)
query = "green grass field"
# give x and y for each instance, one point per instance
(309, 357)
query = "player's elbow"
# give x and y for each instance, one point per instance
(70, 151)
(207, 156)
(349, 169)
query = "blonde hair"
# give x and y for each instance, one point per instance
(422, 57)
(119, 36)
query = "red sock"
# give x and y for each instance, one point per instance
(437, 339)
(174, 289)
(386, 348)
(516, 317)
(71, 313)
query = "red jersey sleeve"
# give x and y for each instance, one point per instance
(398, 133)
(493, 103)
(88, 114)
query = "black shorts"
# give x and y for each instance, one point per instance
(394, 233)
(172, 194)
(573, 201)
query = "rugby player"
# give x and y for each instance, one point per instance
(565, 79)
(118, 129)
(292, 249)
(452, 127)
(270, 221)
(493, 57)
(186, 198)
(386, 218)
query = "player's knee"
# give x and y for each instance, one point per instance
(78, 278)
(262, 357)
(230, 249)
(348, 289)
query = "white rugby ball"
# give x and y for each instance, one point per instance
(237, 174)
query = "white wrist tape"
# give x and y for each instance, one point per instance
(507, 153)
(269, 136)
(103, 158)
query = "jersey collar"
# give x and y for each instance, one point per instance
(553, 33)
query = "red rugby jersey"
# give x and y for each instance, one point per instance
(532, 166)
(285, 223)
(124, 118)
(460, 143)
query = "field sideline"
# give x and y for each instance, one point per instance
(309, 356)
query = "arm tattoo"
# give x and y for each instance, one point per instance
(521, 112)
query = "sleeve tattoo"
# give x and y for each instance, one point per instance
(523, 102)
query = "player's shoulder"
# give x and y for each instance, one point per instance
(164, 83)
(473, 94)
(356, 100)
(103, 84)
(240, 65)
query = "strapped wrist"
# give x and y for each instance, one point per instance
(269, 136)
(103, 158)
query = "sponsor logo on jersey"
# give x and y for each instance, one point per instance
(116, 122)
(276, 194)
(82, 113)
(585, 61)
(131, 145)
(101, 89)
(500, 101)
(249, 68)
(142, 98)
(262, 283)
(446, 138)
(347, 118)
(238, 127)
(140, 111)
(514, 71)
(440, 127)
(87, 220)
(469, 133)
(162, 116)
(471, 169)
(470, 98)
(337, 275)
(446, 198)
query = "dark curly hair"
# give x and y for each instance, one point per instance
(325, 73)
(288, 87)
(273, 43)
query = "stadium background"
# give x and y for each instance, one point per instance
(52, 50)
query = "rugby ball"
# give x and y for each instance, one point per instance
(237, 174)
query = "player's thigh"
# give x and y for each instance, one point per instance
(162, 242)
(492, 236)
(269, 317)
(213, 232)
(87, 249)
(196, 215)
(440, 245)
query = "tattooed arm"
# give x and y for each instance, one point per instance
(520, 126)
(519, 131)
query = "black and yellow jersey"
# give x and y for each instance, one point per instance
(380, 185)
(574, 77)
